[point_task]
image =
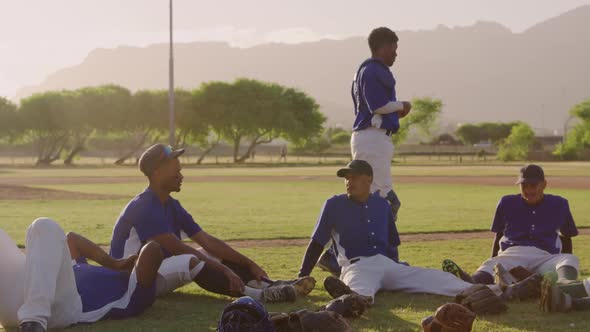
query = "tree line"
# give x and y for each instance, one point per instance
(60, 123)
(243, 113)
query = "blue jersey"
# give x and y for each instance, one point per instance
(106, 293)
(357, 229)
(373, 87)
(145, 217)
(534, 226)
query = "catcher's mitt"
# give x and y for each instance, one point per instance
(520, 273)
(349, 305)
(307, 321)
(451, 317)
(481, 300)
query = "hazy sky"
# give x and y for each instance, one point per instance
(39, 37)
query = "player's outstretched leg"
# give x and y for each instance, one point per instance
(454, 269)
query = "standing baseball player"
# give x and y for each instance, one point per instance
(533, 230)
(154, 215)
(44, 288)
(377, 113)
(360, 224)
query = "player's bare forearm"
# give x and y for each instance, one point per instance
(82, 247)
(496, 245)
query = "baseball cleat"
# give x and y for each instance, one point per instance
(528, 288)
(31, 327)
(454, 269)
(502, 276)
(303, 285)
(553, 299)
(336, 287)
(281, 293)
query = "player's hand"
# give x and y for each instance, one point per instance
(406, 110)
(257, 272)
(236, 285)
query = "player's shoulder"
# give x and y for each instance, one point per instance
(555, 199)
(337, 199)
(510, 199)
(375, 66)
(143, 201)
(377, 199)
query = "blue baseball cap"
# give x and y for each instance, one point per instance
(155, 156)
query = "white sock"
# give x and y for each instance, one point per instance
(253, 293)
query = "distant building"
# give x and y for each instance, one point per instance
(546, 143)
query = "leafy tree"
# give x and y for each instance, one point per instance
(141, 118)
(579, 137)
(495, 132)
(424, 113)
(256, 112)
(517, 144)
(9, 122)
(43, 117)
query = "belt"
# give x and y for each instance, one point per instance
(354, 260)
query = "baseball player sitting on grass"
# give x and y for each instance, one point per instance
(54, 286)
(154, 215)
(533, 231)
(361, 226)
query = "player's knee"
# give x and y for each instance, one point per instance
(152, 249)
(71, 235)
(46, 226)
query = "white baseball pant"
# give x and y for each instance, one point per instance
(376, 148)
(371, 274)
(49, 293)
(531, 258)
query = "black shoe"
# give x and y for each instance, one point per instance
(31, 327)
(336, 287)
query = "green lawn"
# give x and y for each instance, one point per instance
(267, 210)
(432, 169)
(192, 309)
(288, 209)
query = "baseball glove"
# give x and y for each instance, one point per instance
(348, 305)
(307, 321)
(520, 273)
(481, 300)
(451, 317)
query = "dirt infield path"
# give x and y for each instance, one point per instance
(569, 182)
(14, 192)
(404, 239)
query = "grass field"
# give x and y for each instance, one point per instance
(273, 206)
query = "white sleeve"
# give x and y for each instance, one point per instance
(390, 107)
